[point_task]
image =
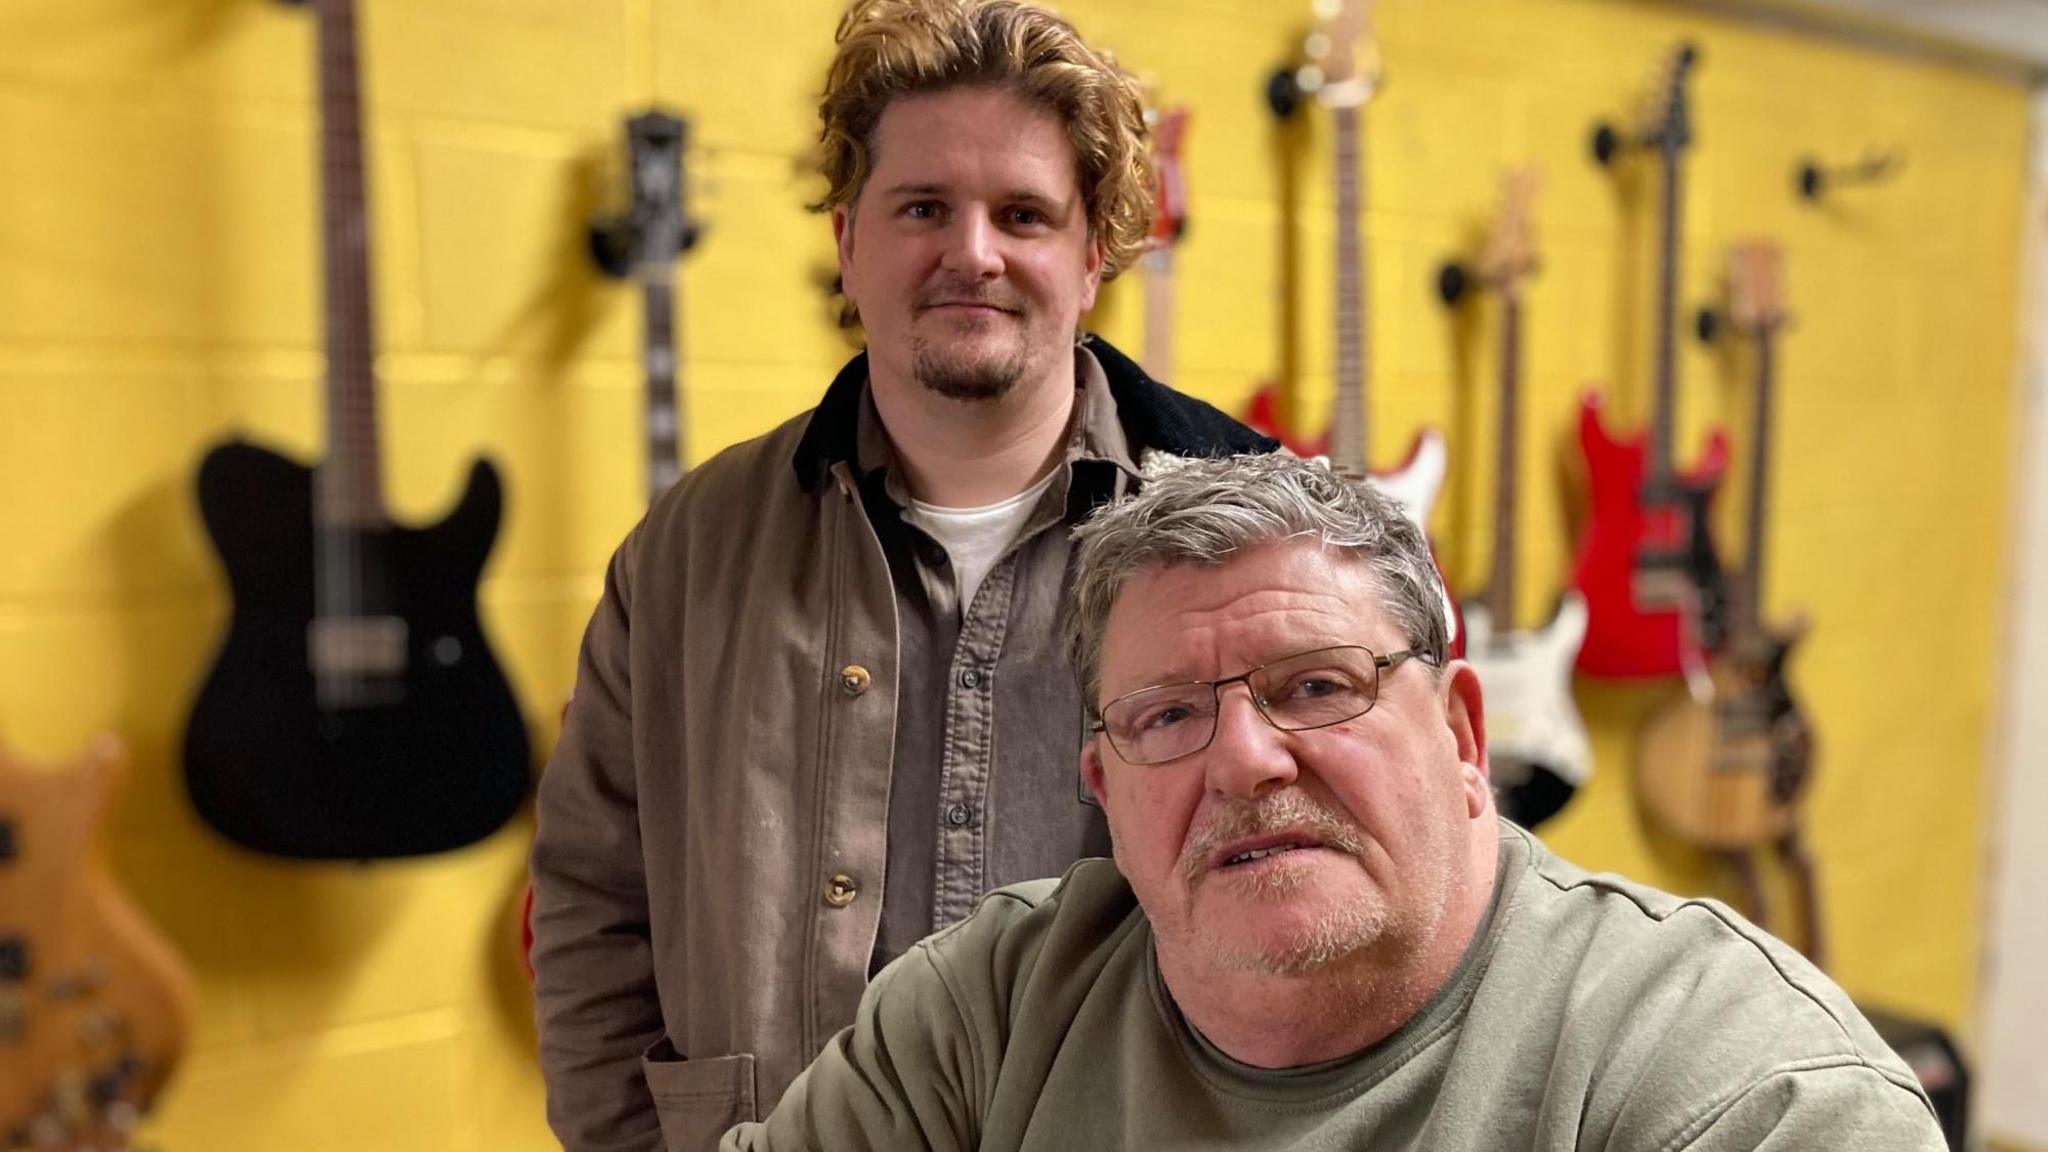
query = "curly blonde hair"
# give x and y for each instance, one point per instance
(891, 48)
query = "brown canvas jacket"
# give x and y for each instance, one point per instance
(728, 752)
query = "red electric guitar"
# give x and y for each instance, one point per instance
(1169, 221)
(1647, 566)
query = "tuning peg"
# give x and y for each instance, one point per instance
(1812, 179)
(1707, 324)
(1452, 281)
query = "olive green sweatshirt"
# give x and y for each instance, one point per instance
(1588, 1013)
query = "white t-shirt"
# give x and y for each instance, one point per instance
(975, 538)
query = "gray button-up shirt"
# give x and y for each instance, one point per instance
(986, 787)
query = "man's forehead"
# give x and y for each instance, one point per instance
(1180, 620)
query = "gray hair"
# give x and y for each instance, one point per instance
(1208, 510)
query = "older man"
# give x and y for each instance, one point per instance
(1316, 932)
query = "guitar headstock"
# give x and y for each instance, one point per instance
(661, 227)
(1169, 188)
(1510, 254)
(1671, 126)
(1344, 68)
(1755, 286)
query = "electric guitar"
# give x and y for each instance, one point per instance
(1346, 73)
(1169, 223)
(354, 710)
(1646, 565)
(645, 244)
(1728, 769)
(1537, 743)
(94, 1006)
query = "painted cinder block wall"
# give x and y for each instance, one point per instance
(158, 291)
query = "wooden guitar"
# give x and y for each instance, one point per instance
(94, 1006)
(1345, 62)
(355, 710)
(1537, 743)
(1654, 589)
(1169, 223)
(1729, 768)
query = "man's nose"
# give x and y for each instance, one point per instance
(974, 247)
(1247, 756)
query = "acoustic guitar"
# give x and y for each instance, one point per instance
(1653, 585)
(1536, 741)
(1729, 768)
(94, 1006)
(354, 710)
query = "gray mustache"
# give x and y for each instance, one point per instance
(1246, 818)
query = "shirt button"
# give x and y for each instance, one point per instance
(958, 815)
(970, 679)
(840, 890)
(853, 679)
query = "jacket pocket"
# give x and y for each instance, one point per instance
(697, 1100)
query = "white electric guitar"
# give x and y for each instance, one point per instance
(1537, 742)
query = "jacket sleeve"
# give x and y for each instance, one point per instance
(594, 990)
(909, 1074)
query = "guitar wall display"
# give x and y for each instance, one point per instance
(354, 710)
(94, 1006)
(1653, 585)
(1169, 223)
(1536, 741)
(1729, 769)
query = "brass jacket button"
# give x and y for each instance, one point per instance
(840, 890)
(854, 679)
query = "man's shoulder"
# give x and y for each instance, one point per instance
(1026, 939)
(1640, 966)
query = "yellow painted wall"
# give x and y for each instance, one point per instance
(158, 291)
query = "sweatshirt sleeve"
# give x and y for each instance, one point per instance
(1819, 1107)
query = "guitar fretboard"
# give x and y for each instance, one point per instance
(350, 490)
(1749, 607)
(1500, 587)
(664, 404)
(1348, 431)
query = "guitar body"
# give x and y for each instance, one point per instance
(1625, 639)
(441, 763)
(1535, 739)
(94, 1006)
(1729, 771)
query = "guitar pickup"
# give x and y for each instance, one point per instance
(349, 646)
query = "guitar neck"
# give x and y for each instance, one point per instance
(1159, 313)
(1749, 609)
(664, 403)
(1500, 589)
(1662, 465)
(350, 488)
(1348, 431)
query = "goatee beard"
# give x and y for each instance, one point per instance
(974, 379)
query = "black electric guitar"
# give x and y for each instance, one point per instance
(355, 710)
(644, 244)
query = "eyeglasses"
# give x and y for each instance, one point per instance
(1295, 693)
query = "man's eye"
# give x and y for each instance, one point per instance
(922, 210)
(1029, 217)
(1314, 686)
(1164, 717)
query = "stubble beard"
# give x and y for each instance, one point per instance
(972, 377)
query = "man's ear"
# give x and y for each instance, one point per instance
(1465, 716)
(1091, 773)
(1094, 273)
(842, 236)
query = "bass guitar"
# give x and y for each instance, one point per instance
(1654, 590)
(1536, 741)
(94, 1006)
(354, 710)
(1729, 768)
